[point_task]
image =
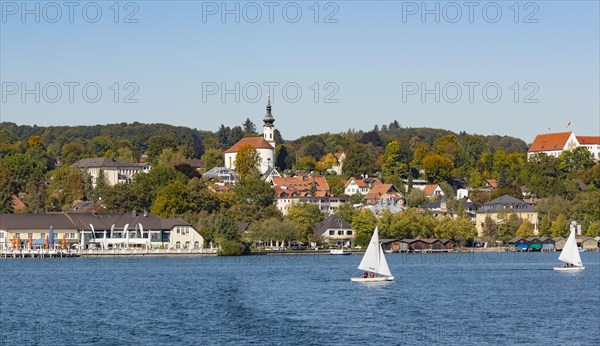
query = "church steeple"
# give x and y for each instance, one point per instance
(268, 127)
(269, 120)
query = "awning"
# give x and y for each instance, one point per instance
(548, 246)
(535, 246)
(522, 246)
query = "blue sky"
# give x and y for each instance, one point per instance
(367, 55)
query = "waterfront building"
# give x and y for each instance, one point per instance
(98, 231)
(115, 170)
(501, 207)
(265, 145)
(335, 229)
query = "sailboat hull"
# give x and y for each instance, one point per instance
(376, 279)
(569, 269)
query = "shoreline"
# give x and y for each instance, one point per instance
(163, 253)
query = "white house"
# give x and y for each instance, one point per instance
(592, 143)
(353, 186)
(116, 171)
(265, 145)
(433, 190)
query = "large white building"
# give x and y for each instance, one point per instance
(115, 171)
(265, 145)
(554, 144)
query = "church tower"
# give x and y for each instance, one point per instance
(268, 127)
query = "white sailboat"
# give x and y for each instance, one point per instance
(570, 255)
(374, 263)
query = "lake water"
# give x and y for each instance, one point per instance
(437, 298)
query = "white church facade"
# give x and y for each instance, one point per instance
(265, 145)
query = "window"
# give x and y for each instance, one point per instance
(43, 235)
(178, 245)
(29, 235)
(340, 232)
(331, 232)
(17, 235)
(1, 235)
(348, 232)
(178, 229)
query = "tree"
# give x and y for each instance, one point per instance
(416, 197)
(489, 228)
(156, 145)
(192, 147)
(525, 230)
(283, 159)
(545, 226)
(560, 227)
(212, 158)
(249, 127)
(247, 162)
(359, 160)
(200, 198)
(145, 186)
(448, 146)
(170, 158)
(437, 168)
(306, 216)
(593, 229)
(6, 190)
(395, 159)
(574, 160)
(36, 193)
(221, 229)
(363, 223)
(170, 200)
(101, 184)
(254, 191)
(119, 198)
(346, 212)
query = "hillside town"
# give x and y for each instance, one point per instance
(239, 190)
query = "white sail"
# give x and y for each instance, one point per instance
(570, 253)
(374, 258)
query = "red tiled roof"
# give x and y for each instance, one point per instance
(302, 182)
(380, 189)
(588, 139)
(492, 183)
(429, 189)
(550, 141)
(255, 142)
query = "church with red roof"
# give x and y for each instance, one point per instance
(265, 145)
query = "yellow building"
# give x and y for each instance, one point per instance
(502, 206)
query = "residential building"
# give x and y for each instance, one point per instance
(416, 184)
(353, 186)
(335, 229)
(265, 145)
(115, 170)
(433, 190)
(384, 194)
(305, 189)
(502, 206)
